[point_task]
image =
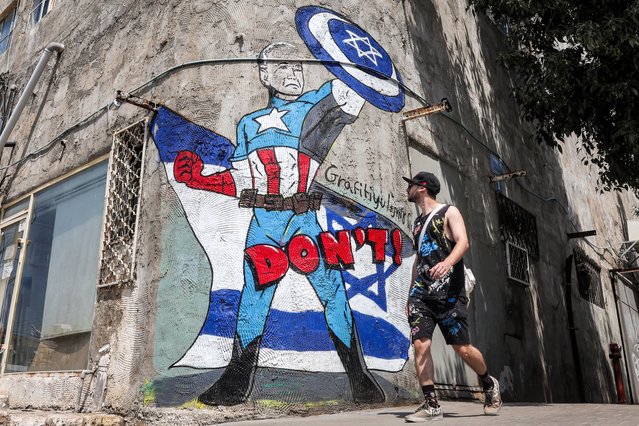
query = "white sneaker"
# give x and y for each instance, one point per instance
(492, 401)
(425, 413)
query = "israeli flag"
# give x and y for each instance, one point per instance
(295, 335)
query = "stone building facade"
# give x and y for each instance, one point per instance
(243, 225)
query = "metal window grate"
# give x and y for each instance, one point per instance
(518, 225)
(517, 262)
(589, 279)
(117, 261)
(7, 98)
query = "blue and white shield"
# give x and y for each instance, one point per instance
(353, 55)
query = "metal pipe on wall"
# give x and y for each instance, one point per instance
(28, 89)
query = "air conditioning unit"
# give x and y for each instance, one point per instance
(517, 262)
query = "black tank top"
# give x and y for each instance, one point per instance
(434, 248)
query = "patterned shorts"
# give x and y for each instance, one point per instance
(424, 315)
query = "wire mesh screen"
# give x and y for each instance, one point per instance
(517, 261)
(589, 279)
(117, 264)
(518, 225)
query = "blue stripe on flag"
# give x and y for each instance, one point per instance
(174, 133)
(304, 331)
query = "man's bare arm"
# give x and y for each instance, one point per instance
(455, 224)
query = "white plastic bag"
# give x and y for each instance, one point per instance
(469, 282)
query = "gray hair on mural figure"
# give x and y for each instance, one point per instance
(284, 78)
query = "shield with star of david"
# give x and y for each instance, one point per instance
(352, 55)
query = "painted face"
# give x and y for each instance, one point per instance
(285, 78)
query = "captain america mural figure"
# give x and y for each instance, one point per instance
(279, 149)
(279, 242)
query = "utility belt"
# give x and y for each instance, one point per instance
(298, 203)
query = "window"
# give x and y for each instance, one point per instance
(41, 8)
(497, 167)
(517, 225)
(120, 229)
(589, 279)
(6, 29)
(517, 262)
(46, 322)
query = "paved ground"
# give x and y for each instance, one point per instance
(466, 413)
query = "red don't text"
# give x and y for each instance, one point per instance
(302, 254)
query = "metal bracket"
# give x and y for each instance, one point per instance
(444, 105)
(136, 100)
(507, 176)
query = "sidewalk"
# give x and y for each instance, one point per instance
(470, 413)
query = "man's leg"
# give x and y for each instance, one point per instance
(422, 327)
(475, 360)
(472, 357)
(424, 362)
(454, 324)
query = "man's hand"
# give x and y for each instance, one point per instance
(441, 269)
(187, 167)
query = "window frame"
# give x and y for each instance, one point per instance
(40, 7)
(591, 290)
(9, 12)
(26, 215)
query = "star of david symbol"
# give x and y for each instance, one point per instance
(369, 54)
(272, 120)
(373, 285)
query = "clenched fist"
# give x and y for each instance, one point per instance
(187, 167)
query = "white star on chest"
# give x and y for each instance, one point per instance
(272, 120)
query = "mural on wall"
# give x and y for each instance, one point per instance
(303, 278)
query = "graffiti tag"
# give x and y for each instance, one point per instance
(367, 192)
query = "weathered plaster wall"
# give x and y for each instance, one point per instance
(520, 329)
(441, 49)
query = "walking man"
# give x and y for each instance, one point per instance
(437, 295)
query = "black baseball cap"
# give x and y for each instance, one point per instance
(427, 180)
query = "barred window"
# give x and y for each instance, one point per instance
(589, 279)
(517, 262)
(7, 98)
(117, 264)
(518, 225)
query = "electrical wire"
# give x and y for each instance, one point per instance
(222, 61)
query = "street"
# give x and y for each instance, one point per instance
(467, 413)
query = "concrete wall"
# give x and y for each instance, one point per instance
(191, 242)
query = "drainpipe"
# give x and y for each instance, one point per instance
(28, 89)
(572, 329)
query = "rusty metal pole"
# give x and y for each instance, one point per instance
(444, 105)
(615, 356)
